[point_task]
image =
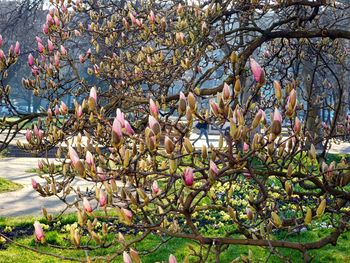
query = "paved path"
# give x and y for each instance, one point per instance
(28, 202)
(25, 201)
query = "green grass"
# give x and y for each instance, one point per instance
(8, 186)
(177, 246)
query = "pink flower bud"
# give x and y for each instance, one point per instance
(214, 108)
(49, 20)
(152, 17)
(81, 58)
(80, 111)
(11, 49)
(258, 72)
(126, 258)
(153, 108)
(117, 134)
(182, 96)
(28, 135)
(50, 45)
(172, 259)
(87, 205)
(93, 94)
(45, 29)
(57, 110)
(188, 176)
(153, 124)
(120, 117)
(127, 213)
(30, 60)
(103, 199)
(226, 91)
(297, 126)
(73, 156)
(36, 130)
(277, 116)
(2, 55)
(17, 48)
(128, 129)
(132, 18)
(35, 184)
(1, 41)
(245, 147)
(38, 232)
(38, 39)
(57, 21)
(101, 174)
(40, 165)
(155, 187)
(249, 213)
(213, 168)
(77, 33)
(63, 108)
(40, 47)
(89, 158)
(35, 71)
(63, 51)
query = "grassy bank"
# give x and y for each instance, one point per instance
(20, 229)
(8, 186)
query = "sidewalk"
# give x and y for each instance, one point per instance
(26, 201)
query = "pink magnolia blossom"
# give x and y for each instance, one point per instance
(63, 108)
(1, 41)
(2, 55)
(45, 29)
(35, 184)
(226, 91)
(127, 213)
(87, 205)
(101, 173)
(28, 135)
(93, 94)
(182, 96)
(277, 115)
(40, 165)
(120, 117)
(213, 168)
(38, 231)
(214, 107)
(297, 125)
(63, 51)
(257, 70)
(30, 59)
(126, 257)
(40, 47)
(103, 199)
(152, 17)
(50, 45)
(49, 19)
(155, 187)
(80, 111)
(153, 108)
(188, 176)
(245, 147)
(73, 156)
(128, 129)
(17, 48)
(172, 259)
(117, 128)
(11, 49)
(38, 39)
(89, 158)
(57, 110)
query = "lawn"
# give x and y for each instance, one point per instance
(8, 186)
(21, 230)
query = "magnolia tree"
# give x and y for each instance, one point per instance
(260, 180)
